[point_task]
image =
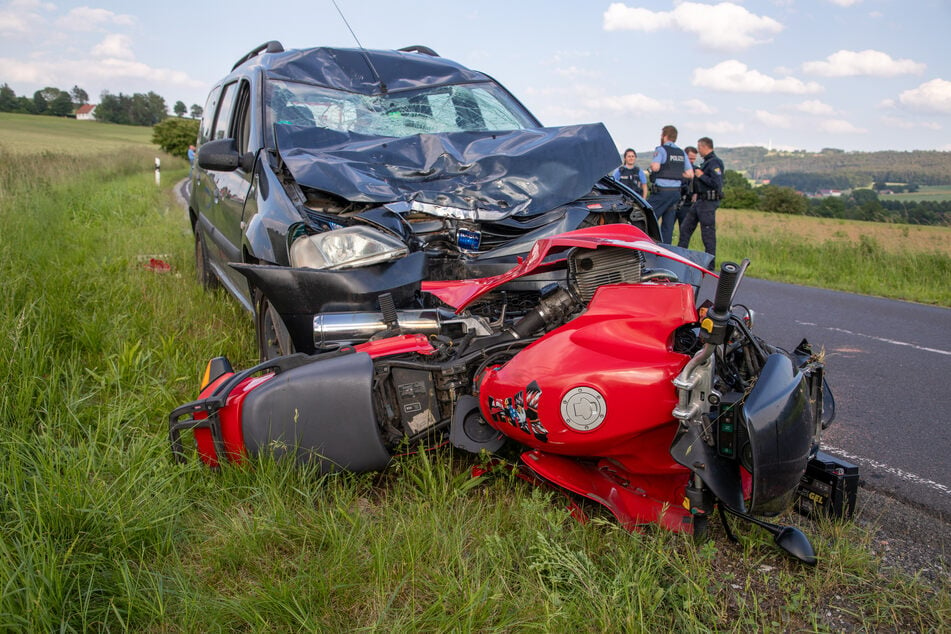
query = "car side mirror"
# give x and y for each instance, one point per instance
(219, 156)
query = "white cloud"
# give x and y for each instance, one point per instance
(723, 127)
(815, 107)
(697, 106)
(905, 124)
(629, 104)
(863, 63)
(574, 72)
(562, 115)
(108, 69)
(725, 26)
(932, 96)
(89, 19)
(840, 126)
(734, 76)
(16, 71)
(114, 46)
(845, 3)
(772, 120)
(22, 17)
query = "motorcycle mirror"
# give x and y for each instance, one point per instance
(795, 543)
(745, 264)
(792, 540)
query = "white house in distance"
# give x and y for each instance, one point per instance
(86, 112)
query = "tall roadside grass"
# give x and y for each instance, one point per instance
(99, 530)
(907, 262)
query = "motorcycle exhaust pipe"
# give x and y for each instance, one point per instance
(334, 329)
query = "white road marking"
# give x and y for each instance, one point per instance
(904, 475)
(883, 340)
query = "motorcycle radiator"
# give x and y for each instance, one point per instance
(590, 268)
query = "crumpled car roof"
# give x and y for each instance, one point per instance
(347, 69)
(518, 172)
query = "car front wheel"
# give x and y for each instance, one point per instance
(273, 338)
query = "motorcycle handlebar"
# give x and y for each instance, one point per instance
(726, 286)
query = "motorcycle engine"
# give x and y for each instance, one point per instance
(590, 268)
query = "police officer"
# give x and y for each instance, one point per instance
(688, 189)
(669, 168)
(709, 181)
(631, 175)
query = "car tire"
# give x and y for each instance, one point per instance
(206, 276)
(272, 335)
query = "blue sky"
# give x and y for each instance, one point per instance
(797, 74)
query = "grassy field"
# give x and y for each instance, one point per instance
(909, 262)
(99, 530)
(924, 193)
(30, 134)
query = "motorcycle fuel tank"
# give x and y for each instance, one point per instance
(601, 384)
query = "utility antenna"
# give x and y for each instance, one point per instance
(362, 50)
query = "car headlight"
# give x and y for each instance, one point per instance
(346, 248)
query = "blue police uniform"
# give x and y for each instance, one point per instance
(709, 192)
(633, 177)
(673, 164)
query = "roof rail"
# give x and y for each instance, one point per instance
(418, 48)
(268, 47)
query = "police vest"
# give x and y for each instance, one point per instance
(630, 176)
(674, 167)
(710, 164)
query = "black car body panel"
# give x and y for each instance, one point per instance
(367, 71)
(495, 174)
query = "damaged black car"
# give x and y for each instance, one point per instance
(330, 182)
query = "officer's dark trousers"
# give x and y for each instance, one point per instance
(664, 203)
(704, 213)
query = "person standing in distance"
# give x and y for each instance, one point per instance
(688, 189)
(631, 175)
(709, 183)
(669, 168)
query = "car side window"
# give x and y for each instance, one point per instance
(208, 115)
(223, 117)
(241, 122)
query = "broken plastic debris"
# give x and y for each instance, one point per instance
(157, 266)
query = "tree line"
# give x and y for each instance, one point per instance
(836, 169)
(859, 204)
(145, 109)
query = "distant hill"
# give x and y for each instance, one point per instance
(860, 168)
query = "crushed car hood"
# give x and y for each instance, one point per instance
(491, 175)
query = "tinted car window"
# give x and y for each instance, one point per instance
(208, 115)
(467, 107)
(224, 111)
(241, 129)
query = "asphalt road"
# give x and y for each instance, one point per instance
(889, 365)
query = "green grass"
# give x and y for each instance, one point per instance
(932, 193)
(31, 135)
(907, 262)
(99, 530)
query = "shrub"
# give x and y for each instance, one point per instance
(783, 200)
(174, 135)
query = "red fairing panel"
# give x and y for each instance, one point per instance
(459, 294)
(396, 345)
(230, 419)
(601, 385)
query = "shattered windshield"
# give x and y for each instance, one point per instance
(455, 108)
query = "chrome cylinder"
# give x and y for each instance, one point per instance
(335, 329)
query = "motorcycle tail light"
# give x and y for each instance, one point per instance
(468, 240)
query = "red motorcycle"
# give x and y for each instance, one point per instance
(618, 387)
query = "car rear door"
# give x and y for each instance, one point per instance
(230, 189)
